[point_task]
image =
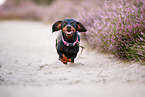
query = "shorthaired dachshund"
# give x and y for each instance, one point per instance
(67, 42)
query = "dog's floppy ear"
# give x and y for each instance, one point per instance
(80, 27)
(56, 26)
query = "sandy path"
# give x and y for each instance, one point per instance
(29, 67)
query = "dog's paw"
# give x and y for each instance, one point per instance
(69, 59)
(64, 59)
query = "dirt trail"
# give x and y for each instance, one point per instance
(29, 67)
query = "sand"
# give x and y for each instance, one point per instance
(29, 67)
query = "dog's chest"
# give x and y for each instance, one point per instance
(71, 50)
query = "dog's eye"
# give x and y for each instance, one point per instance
(73, 23)
(64, 23)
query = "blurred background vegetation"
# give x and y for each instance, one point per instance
(46, 10)
(43, 2)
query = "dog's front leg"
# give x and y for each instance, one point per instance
(72, 58)
(73, 55)
(62, 57)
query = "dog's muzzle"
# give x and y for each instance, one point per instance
(69, 33)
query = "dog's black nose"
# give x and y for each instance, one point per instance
(68, 27)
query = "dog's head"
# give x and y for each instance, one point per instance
(68, 27)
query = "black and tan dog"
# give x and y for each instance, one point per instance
(68, 39)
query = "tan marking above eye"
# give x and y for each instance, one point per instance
(72, 23)
(65, 23)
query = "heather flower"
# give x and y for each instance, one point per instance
(119, 29)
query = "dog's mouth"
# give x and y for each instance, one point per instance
(69, 32)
